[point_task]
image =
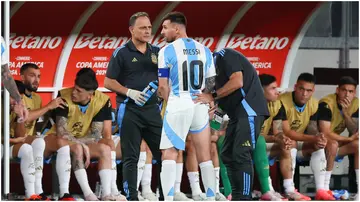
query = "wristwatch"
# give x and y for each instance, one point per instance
(214, 94)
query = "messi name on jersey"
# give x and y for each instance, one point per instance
(191, 51)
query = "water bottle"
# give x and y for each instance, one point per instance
(149, 91)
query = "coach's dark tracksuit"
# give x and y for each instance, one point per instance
(247, 110)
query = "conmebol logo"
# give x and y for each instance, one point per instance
(257, 42)
(34, 42)
(105, 42)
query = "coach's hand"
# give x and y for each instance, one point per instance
(87, 155)
(137, 96)
(205, 98)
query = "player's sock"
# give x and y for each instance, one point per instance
(262, 164)
(293, 153)
(288, 185)
(63, 168)
(179, 172)
(318, 167)
(105, 178)
(217, 178)
(146, 179)
(357, 176)
(38, 146)
(82, 179)
(27, 169)
(270, 184)
(327, 180)
(168, 176)
(140, 168)
(208, 178)
(114, 188)
(194, 180)
(223, 171)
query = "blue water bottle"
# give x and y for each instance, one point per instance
(149, 91)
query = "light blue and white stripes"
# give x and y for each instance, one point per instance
(247, 183)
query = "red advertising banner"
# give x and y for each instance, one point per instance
(38, 33)
(263, 31)
(266, 32)
(104, 31)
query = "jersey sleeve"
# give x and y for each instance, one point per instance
(324, 113)
(281, 115)
(355, 114)
(163, 64)
(115, 65)
(104, 113)
(209, 66)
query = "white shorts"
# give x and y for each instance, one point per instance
(181, 117)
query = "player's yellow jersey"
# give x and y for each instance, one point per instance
(31, 102)
(274, 108)
(298, 120)
(337, 120)
(78, 123)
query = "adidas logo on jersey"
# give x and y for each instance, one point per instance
(246, 144)
(134, 60)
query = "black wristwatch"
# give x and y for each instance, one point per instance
(214, 94)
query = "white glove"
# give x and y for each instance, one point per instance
(137, 96)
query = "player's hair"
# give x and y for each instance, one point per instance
(20, 86)
(176, 17)
(307, 77)
(266, 79)
(135, 16)
(26, 66)
(86, 79)
(347, 80)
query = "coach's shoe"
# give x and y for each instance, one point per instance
(91, 197)
(296, 196)
(199, 197)
(220, 197)
(179, 196)
(151, 196)
(272, 196)
(34, 198)
(67, 197)
(322, 194)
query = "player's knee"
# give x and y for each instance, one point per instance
(108, 142)
(170, 154)
(332, 146)
(104, 150)
(355, 145)
(77, 150)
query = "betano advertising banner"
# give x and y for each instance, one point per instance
(62, 37)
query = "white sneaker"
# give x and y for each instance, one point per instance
(91, 197)
(140, 197)
(199, 197)
(151, 196)
(220, 197)
(179, 196)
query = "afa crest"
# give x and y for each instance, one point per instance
(154, 58)
(77, 128)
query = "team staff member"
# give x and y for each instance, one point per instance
(132, 67)
(240, 95)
